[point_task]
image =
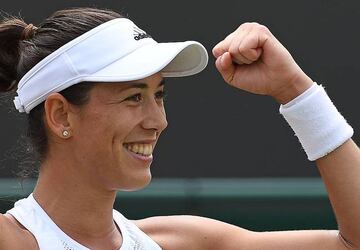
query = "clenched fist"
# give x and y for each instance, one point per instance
(252, 59)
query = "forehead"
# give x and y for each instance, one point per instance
(151, 82)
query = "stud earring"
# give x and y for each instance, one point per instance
(65, 133)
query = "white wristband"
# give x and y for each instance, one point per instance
(316, 122)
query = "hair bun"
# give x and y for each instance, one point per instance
(28, 32)
(11, 31)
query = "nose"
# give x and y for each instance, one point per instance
(155, 117)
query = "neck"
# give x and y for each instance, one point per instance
(81, 209)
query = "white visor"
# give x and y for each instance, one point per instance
(116, 51)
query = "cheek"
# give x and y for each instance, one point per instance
(101, 133)
(92, 133)
(95, 128)
(123, 125)
(104, 128)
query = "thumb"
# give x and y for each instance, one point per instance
(225, 66)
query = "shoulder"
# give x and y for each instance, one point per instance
(15, 236)
(5, 232)
(190, 232)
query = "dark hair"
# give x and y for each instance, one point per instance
(22, 46)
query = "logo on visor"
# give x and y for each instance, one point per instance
(140, 34)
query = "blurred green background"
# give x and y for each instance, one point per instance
(258, 204)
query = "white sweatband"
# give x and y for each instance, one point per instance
(316, 122)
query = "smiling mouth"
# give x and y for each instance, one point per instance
(140, 149)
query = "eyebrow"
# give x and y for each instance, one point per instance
(142, 85)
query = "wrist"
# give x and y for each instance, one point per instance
(294, 88)
(316, 122)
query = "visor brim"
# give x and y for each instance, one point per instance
(175, 59)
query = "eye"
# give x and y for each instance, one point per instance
(160, 95)
(135, 98)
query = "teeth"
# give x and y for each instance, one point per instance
(143, 149)
(147, 150)
(135, 148)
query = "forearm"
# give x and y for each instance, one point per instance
(340, 171)
(320, 131)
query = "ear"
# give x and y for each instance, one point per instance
(57, 115)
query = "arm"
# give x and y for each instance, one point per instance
(192, 232)
(252, 59)
(340, 171)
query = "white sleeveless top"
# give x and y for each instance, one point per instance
(50, 237)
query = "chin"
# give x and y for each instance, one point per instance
(136, 183)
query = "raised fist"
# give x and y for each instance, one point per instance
(252, 59)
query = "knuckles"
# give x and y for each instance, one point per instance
(233, 49)
(263, 29)
(242, 49)
(254, 27)
(233, 42)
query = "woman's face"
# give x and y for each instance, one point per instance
(117, 130)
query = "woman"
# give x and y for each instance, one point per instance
(92, 85)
